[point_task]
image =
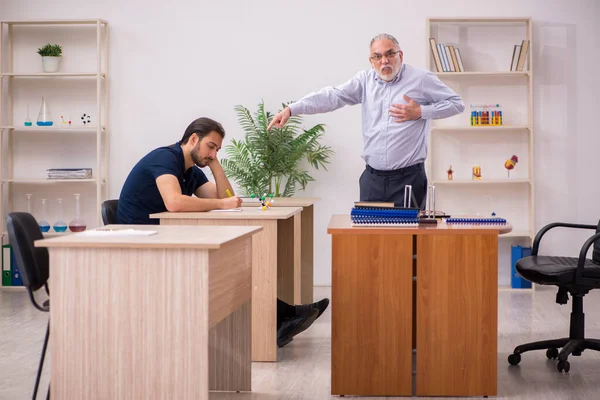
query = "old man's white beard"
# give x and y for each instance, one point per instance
(386, 77)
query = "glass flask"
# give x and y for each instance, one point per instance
(59, 225)
(44, 117)
(28, 195)
(28, 120)
(78, 224)
(44, 225)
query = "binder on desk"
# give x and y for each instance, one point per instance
(6, 265)
(384, 216)
(16, 274)
(516, 281)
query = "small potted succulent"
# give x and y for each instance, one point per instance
(51, 55)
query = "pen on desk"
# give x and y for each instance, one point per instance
(228, 192)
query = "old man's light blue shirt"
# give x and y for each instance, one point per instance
(388, 145)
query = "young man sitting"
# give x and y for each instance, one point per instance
(165, 180)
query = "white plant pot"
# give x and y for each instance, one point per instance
(50, 64)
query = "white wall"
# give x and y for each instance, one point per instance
(171, 62)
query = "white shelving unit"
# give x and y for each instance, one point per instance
(80, 86)
(486, 48)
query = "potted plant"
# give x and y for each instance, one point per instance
(51, 55)
(270, 161)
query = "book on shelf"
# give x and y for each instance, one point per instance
(519, 56)
(447, 58)
(69, 173)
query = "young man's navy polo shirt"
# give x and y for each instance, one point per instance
(140, 196)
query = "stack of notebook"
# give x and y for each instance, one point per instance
(476, 221)
(69, 173)
(374, 214)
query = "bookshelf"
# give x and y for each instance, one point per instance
(80, 86)
(487, 47)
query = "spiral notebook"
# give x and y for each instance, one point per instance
(364, 220)
(363, 215)
(476, 221)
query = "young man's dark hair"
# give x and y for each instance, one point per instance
(202, 127)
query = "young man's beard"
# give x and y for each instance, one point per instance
(201, 162)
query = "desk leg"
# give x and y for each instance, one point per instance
(230, 352)
(264, 281)
(457, 315)
(288, 259)
(264, 292)
(371, 327)
(307, 245)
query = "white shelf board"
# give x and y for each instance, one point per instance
(498, 128)
(487, 20)
(14, 288)
(52, 74)
(53, 128)
(507, 288)
(513, 234)
(482, 182)
(482, 73)
(50, 181)
(51, 233)
(57, 22)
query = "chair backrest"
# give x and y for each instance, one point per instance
(109, 211)
(596, 247)
(33, 262)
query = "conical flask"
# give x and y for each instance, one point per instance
(59, 225)
(44, 117)
(44, 225)
(77, 224)
(28, 120)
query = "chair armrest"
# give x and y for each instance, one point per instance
(582, 256)
(542, 232)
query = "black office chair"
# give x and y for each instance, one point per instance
(109, 211)
(574, 275)
(34, 266)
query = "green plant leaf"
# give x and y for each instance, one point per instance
(269, 161)
(50, 50)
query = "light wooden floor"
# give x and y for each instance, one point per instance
(304, 370)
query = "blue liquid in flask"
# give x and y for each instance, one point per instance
(60, 227)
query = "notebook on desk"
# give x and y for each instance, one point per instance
(383, 214)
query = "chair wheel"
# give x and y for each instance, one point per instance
(552, 354)
(563, 366)
(514, 359)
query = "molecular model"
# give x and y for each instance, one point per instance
(86, 118)
(266, 202)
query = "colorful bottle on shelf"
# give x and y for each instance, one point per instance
(44, 117)
(44, 225)
(28, 120)
(77, 224)
(59, 225)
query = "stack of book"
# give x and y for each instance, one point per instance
(69, 173)
(382, 214)
(519, 56)
(447, 58)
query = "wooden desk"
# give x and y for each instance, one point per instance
(275, 263)
(164, 316)
(307, 253)
(374, 308)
